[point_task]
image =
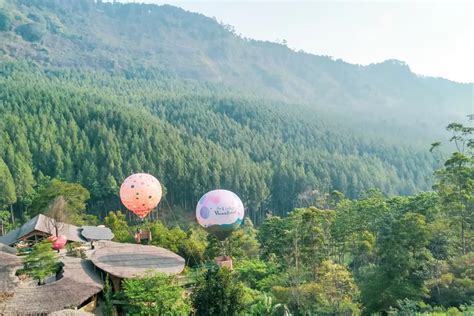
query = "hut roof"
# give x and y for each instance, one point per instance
(7, 249)
(79, 283)
(43, 224)
(70, 312)
(125, 260)
(8, 263)
(8, 259)
(96, 233)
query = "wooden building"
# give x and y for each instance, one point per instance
(125, 260)
(40, 227)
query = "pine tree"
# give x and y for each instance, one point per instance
(218, 292)
(7, 188)
(42, 261)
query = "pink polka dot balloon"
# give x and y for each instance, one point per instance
(140, 193)
(59, 242)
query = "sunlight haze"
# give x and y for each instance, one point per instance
(433, 38)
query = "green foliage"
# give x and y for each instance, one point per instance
(385, 97)
(339, 293)
(455, 184)
(5, 219)
(75, 195)
(190, 245)
(5, 22)
(453, 283)
(406, 307)
(165, 237)
(333, 292)
(89, 219)
(403, 260)
(392, 245)
(300, 240)
(245, 239)
(311, 235)
(155, 295)
(118, 225)
(75, 249)
(273, 236)
(242, 243)
(31, 32)
(264, 305)
(132, 112)
(7, 186)
(218, 292)
(192, 248)
(253, 271)
(42, 261)
(75, 125)
(355, 226)
(108, 296)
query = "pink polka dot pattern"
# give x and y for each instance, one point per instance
(140, 193)
(59, 242)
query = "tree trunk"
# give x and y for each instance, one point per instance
(13, 216)
(463, 240)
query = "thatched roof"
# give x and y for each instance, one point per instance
(78, 283)
(96, 233)
(126, 260)
(7, 249)
(43, 224)
(70, 312)
(8, 265)
(8, 259)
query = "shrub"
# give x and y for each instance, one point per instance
(42, 262)
(5, 22)
(155, 295)
(32, 32)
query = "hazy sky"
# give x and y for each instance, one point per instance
(435, 38)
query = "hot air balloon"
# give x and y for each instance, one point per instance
(220, 212)
(140, 193)
(59, 242)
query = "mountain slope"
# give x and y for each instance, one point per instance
(90, 93)
(191, 46)
(96, 128)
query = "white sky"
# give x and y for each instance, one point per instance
(435, 38)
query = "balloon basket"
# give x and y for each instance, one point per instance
(142, 235)
(224, 261)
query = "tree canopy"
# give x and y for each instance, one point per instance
(155, 295)
(63, 125)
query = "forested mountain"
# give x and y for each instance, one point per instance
(91, 92)
(331, 160)
(386, 97)
(95, 129)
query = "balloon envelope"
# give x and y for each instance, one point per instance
(220, 212)
(140, 193)
(59, 242)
